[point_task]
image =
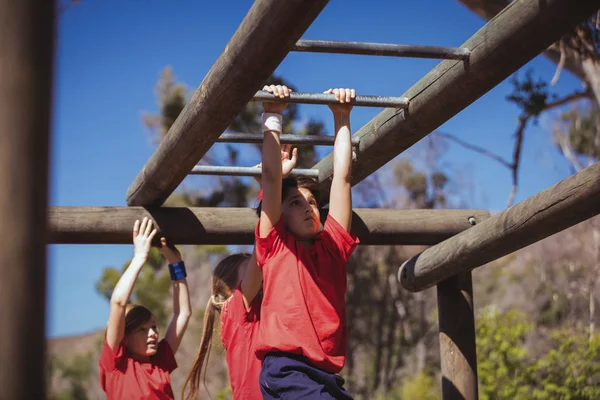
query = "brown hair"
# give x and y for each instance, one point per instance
(136, 316)
(224, 282)
(300, 182)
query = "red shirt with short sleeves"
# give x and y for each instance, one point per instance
(304, 308)
(239, 328)
(124, 378)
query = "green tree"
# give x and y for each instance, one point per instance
(151, 288)
(76, 371)
(570, 370)
(501, 353)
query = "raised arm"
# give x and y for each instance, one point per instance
(182, 308)
(252, 281)
(340, 198)
(142, 239)
(271, 160)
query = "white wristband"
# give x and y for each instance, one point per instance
(271, 122)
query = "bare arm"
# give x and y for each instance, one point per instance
(271, 165)
(340, 199)
(182, 307)
(252, 281)
(142, 238)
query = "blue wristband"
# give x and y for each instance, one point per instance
(177, 271)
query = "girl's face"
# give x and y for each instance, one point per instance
(301, 213)
(143, 341)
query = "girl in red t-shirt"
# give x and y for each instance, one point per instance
(134, 364)
(236, 283)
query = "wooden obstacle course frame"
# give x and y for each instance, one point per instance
(263, 39)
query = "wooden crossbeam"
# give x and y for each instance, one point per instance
(113, 225)
(563, 205)
(503, 45)
(27, 33)
(262, 41)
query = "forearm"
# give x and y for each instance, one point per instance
(252, 281)
(182, 306)
(340, 199)
(124, 287)
(342, 151)
(271, 151)
(182, 311)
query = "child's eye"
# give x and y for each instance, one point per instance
(294, 203)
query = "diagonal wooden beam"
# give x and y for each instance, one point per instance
(113, 225)
(563, 205)
(488, 9)
(263, 39)
(512, 38)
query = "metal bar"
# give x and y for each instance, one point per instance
(262, 40)
(234, 137)
(381, 49)
(563, 205)
(27, 32)
(246, 171)
(323, 98)
(506, 43)
(227, 225)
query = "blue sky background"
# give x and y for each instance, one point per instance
(110, 54)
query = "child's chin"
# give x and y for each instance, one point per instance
(150, 352)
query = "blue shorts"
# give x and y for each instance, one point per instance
(291, 376)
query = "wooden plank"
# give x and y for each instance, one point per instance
(565, 204)
(26, 71)
(503, 45)
(262, 41)
(458, 354)
(113, 225)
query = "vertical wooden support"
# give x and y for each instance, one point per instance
(26, 61)
(457, 338)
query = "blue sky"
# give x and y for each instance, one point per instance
(110, 54)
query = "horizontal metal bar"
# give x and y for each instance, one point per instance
(246, 171)
(322, 98)
(381, 49)
(234, 137)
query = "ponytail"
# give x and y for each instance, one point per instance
(224, 282)
(193, 379)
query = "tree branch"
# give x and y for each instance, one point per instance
(475, 148)
(514, 165)
(517, 158)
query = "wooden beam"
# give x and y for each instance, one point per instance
(26, 71)
(113, 225)
(563, 205)
(488, 9)
(262, 41)
(503, 45)
(458, 354)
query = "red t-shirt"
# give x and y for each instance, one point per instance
(124, 378)
(239, 328)
(304, 308)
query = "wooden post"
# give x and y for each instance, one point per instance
(262, 41)
(503, 45)
(113, 225)
(26, 60)
(565, 204)
(457, 338)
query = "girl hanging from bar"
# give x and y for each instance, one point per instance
(134, 363)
